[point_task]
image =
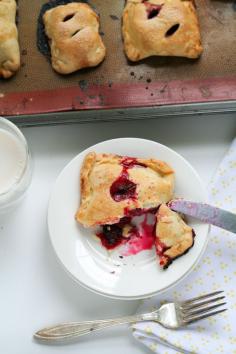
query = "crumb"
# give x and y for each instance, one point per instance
(126, 231)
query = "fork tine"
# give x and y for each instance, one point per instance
(201, 304)
(198, 318)
(190, 313)
(201, 297)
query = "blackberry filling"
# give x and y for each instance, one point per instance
(152, 10)
(123, 189)
(111, 236)
(129, 162)
(139, 211)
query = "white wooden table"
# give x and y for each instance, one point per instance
(35, 290)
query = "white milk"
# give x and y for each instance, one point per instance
(12, 160)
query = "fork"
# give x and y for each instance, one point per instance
(171, 315)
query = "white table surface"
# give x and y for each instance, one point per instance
(35, 290)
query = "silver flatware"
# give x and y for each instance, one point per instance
(206, 213)
(171, 315)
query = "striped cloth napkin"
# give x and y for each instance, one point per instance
(216, 271)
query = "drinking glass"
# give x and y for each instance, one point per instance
(15, 165)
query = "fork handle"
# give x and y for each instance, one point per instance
(70, 330)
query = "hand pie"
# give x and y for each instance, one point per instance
(161, 27)
(173, 236)
(73, 32)
(114, 187)
(9, 46)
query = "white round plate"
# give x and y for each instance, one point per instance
(81, 253)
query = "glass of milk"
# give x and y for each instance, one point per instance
(15, 165)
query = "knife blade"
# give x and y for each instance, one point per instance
(206, 213)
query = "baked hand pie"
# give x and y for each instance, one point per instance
(161, 27)
(173, 236)
(114, 187)
(9, 46)
(73, 32)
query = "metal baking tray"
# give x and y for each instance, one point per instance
(119, 89)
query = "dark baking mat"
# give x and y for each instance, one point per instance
(117, 82)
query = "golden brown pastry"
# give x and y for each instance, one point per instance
(173, 236)
(161, 27)
(9, 46)
(113, 187)
(73, 32)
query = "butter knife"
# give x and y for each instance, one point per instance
(206, 213)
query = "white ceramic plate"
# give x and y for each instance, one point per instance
(81, 253)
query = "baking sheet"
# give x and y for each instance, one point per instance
(117, 83)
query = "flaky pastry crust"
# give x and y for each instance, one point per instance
(173, 236)
(73, 32)
(154, 181)
(9, 46)
(172, 30)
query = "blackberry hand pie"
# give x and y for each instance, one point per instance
(173, 236)
(161, 27)
(114, 187)
(9, 46)
(73, 32)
